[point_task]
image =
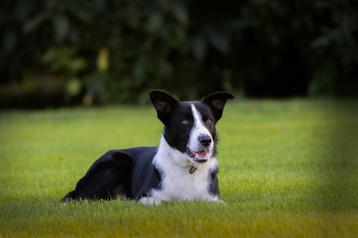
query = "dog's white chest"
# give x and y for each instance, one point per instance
(180, 184)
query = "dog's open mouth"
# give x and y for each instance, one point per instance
(198, 156)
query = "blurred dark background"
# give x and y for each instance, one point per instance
(60, 53)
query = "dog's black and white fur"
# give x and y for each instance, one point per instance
(182, 167)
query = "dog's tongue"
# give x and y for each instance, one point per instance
(200, 154)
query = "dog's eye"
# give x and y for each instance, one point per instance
(185, 122)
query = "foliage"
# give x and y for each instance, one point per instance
(287, 169)
(256, 48)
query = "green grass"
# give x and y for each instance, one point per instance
(287, 168)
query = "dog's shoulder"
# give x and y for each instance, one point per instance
(145, 176)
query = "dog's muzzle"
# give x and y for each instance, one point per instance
(200, 156)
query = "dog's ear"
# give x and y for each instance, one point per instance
(163, 103)
(216, 102)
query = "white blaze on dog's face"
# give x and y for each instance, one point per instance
(200, 143)
(189, 126)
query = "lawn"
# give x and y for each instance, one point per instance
(287, 168)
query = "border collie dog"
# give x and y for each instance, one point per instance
(182, 167)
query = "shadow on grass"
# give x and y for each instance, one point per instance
(338, 162)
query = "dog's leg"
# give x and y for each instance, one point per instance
(107, 178)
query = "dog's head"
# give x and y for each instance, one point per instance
(189, 126)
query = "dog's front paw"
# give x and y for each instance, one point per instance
(150, 201)
(221, 202)
(217, 200)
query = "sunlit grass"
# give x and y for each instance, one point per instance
(286, 169)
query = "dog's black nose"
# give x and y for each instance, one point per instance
(204, 140)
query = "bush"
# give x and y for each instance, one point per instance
(114, 51)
